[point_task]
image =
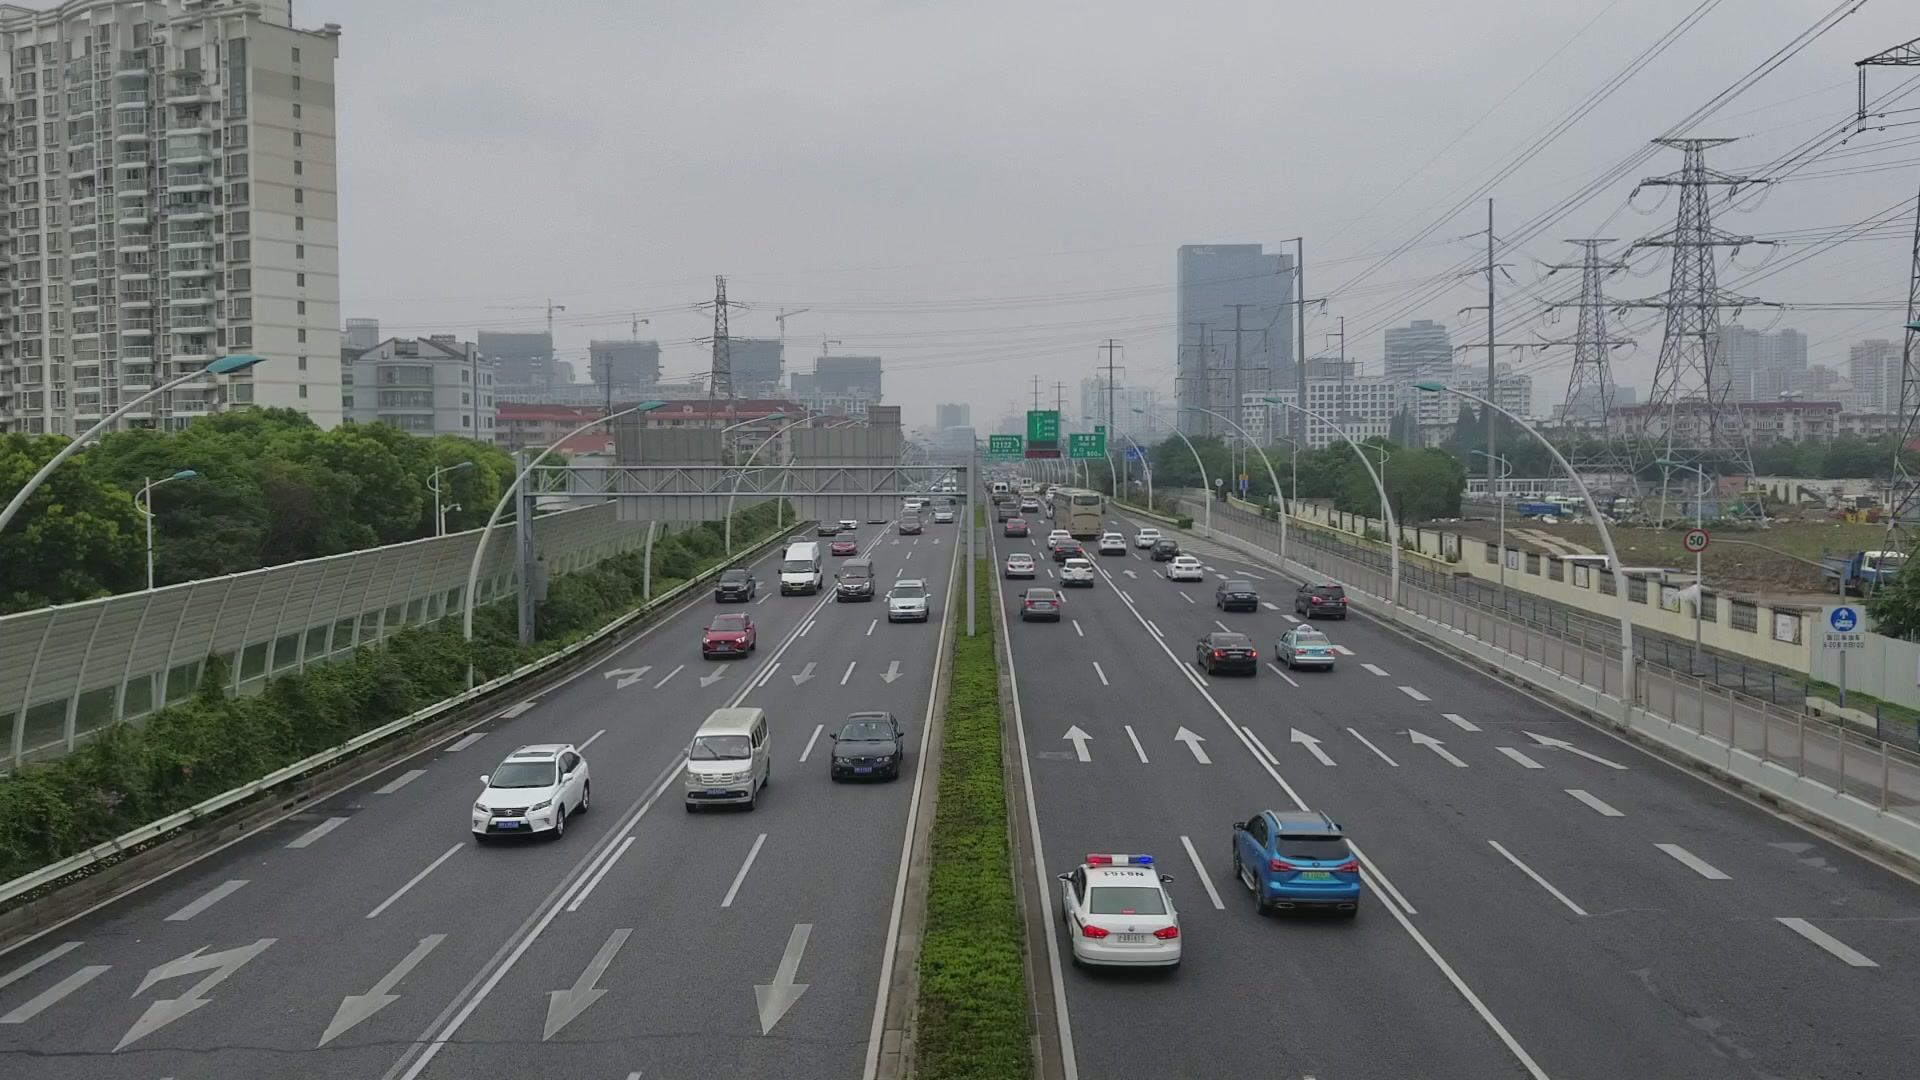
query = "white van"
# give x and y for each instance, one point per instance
(800, 569)
(730, 759)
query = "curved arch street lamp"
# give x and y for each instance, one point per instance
(1386, 504)
(224, 365)
(1264, 460)
(741, 473)
(1206, 486)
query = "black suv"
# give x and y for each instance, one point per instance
(1325, 598)
(735, 585)
(1165, 549)
(1236, 596)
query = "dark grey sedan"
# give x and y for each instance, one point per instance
(868, 746)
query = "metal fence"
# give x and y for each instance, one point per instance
(68, 671)
(1881, 772)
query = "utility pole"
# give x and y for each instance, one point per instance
(1036, 393)
(1239, 387)
(1296, 419)
(1590, 392)
(1059, 397)
(1901, 488)
(1340, 409)
(720, 374)
(1493, 459)
(1113, 427)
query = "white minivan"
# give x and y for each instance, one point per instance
(800, 569)
(729, 760)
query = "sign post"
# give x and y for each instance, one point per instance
(1842, 628)
(1043, 433)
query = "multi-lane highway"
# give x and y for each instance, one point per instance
(370, 937)
(1542, 900)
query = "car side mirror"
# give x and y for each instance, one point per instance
(1239, 826)
(1166, 878)
(485, 779)
(1064, 877)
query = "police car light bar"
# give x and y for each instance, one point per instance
(1119, 860)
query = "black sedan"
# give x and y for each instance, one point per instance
(1236, 596)
(1164, 549)
(828, 528)
(1068, 549)
(1218, 652)
(868, 746)
(735, 585)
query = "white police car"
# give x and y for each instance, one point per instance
(1118, 913)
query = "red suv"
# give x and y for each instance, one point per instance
(728, 635)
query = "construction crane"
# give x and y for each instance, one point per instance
(782, 320)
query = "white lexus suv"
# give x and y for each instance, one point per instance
(533, 791)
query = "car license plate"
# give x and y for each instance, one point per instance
(1133, 939)
(716, 791)
(506, 824)
(1316, 875)
(863, 768)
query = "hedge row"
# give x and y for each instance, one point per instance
(972, 1021)
(135, 773)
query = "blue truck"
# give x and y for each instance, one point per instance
(1859, 572)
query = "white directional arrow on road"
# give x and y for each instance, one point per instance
(1313, 746)
(1435, 745)
(775, 998)
(1193, 743)
(357, 1007)
(1079, 740)
(1562, 744)
(165, 1011)
(718, 674)
(564, 1005)
(806, 673)
(892, 673)
(627, 676)
(1130, 573)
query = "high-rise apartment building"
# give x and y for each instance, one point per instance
(525, 360)
(426, 386)
(1364, 404)
(1419, 350)
(171, 198)
(633, 364)
(1236, 329)
(1757, 366)
(1873, 369)
(952, 416)
(757, 365)
(1436, 415)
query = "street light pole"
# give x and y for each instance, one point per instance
(433, 481)
(1699, 579)
(741, 473)
(1628, 694)
(1506, 470)
(1264, 460)
(1206, 489)
(1379, 484)
(225, 365)
(144, 503)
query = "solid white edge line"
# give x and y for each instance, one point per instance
(1268, 754)
(877, 1030)
(1693, 862)
(1594, 801)
(1135, 740)
(1069, 1064)
(752, 854)
(1200, 871)
(1848, 954)
(811, 739)
(594, 881)
(415, 880)
(1537, 879)
(1368, 743)
(1275, 668)
(307, 838)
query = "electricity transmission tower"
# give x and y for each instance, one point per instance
(1901, 489)
(1690, 417)
(1590, 392)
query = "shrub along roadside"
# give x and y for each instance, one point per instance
(972, 1014)
(135, 773)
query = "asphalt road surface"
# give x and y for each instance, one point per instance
(370, 937)
(1541, 899)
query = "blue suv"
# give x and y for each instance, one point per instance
(1296, 858)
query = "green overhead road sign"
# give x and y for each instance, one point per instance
(1082, 446)
(1003, 447)
(1043, 433)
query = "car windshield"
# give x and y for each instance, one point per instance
(908, 592)
(1017, 559)
(866, 731)
(734, 577)
(1328, 590)
(1319, 848)
(1125, 900)
(797, 566)
(1040, 596)
(728, 623)
(721, 748)
(856, 571)
(1230, 641)
(1310, 639)
(1238, 586)
(523, 774)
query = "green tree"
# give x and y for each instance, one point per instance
(76, 538)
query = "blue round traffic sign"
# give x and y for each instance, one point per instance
(1844, 620)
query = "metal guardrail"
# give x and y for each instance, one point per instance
(47, 875)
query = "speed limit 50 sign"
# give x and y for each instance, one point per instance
(1695, 541)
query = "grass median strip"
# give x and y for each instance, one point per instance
(972, 1013)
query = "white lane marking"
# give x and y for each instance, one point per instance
(1537, 879)
(590, 739)
(415, 880)
(1414, 694)
(1341, 649)
(1135, 740)
(1599, 807)
(594, 881)
(1460, 722)
(466, 740)
(910, 554)
(1187, 598)
(305, 839)
(670, 675)
(215, 895)
(1562, 744)
(1200, 871)
(37, 963)
(1248, 573)
(806, 628)
(1375, 668)
(1076, 627)
(762, 600)
(1269, 605)
(1421, 738)
(1275, 668)
(752, 854)
(1313, 747)
(1847, 953)
(1224, 628)
(1049, 571)
(51, 996)
(1263, 746)
(811, 739)
(1098, 670)
(848, 674)
(871, 625)
(1693, 862)
(767, 674)
(508, 714)
(1521, 759)
(1079, 740)
(1364, 741)
(401, 781)
(1155, 629)
(1129, 595)
(1193, 742)
(1292, 618)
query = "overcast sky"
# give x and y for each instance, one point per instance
(981, 192)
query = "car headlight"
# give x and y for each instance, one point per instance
(481, 808)
(841, 761)
(539, 806)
